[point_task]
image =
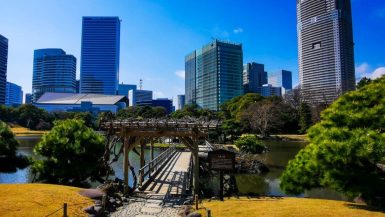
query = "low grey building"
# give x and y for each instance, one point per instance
(94, 103)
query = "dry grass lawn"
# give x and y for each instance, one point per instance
(287, 207)
(40, 200)
(22, 131)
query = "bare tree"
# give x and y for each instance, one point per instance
(263, 116)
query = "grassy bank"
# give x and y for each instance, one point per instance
(287, 207)
(163, 145)
(22, 131)
(40, 200)
(296, 137)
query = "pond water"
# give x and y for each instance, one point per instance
(280, 152)
(276, 159)
(25, 175)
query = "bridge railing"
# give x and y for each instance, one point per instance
(151, 168)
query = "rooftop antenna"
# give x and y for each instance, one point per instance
(140, 84)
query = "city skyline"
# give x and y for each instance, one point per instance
(183, 33)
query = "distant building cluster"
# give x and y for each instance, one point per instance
(214, 73)
(54, 84)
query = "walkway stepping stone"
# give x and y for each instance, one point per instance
(150, 210)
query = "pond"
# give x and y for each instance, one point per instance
(276, 159)
(280, 152)
(25, 175)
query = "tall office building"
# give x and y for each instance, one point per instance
(14, 95)
(99, 70)
(267, 90)
(214, 74)
(326, 48)
(281, 78)
(3, 67)
(181, 101)
(28, 98)
(254, 76)
(53, 71)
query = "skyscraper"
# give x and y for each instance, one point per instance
(53, 71)
(99, 70)
(3, 67)
(214, 74)
(254, 76)
(326, 48)
(28, 98)
(181, 101)
(281, 78)
(14, 95)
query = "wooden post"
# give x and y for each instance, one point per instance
(104, 200)
(152, 149)
(221, 185)
(196, 199)
(125, 164)
(196, 169)
(208, 213)
(142, 162)
(65, 210)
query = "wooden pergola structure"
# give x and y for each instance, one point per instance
(139, 132)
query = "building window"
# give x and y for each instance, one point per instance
(317, 45)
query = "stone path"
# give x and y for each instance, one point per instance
(164, 196)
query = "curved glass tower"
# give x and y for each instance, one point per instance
(325, 48)
(53, 71)
(99, 70)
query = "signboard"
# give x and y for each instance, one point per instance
(221, 160)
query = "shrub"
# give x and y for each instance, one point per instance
(250, 144)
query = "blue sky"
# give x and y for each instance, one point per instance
(156, 35)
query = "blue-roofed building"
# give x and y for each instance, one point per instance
(53, 71)
(14, 95)
(100, 53)
(94, 103)
(3, 67)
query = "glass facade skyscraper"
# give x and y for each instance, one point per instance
(14, 95)
(3, 67)
(53, 71)
(254, 76)
(99, 70)
(282, 78)
(325, 48)
(181, 101)
(214, 74)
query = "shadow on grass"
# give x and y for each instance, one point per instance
(365, 207)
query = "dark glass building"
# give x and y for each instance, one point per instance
(282, 78)
(28, 98)
(325, 48)
(99, 70)
(53, 71)
(254, 76)
(3, 67)
(14, 95)
(160, 102)
(216, 76)
(181, 101)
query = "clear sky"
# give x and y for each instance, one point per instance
(156, 35)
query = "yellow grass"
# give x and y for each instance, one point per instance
(22, 131)
(40, 200)
(293, 136)
(286, 207)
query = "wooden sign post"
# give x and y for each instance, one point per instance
(223, 161)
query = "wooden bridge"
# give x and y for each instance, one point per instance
(170, 173)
